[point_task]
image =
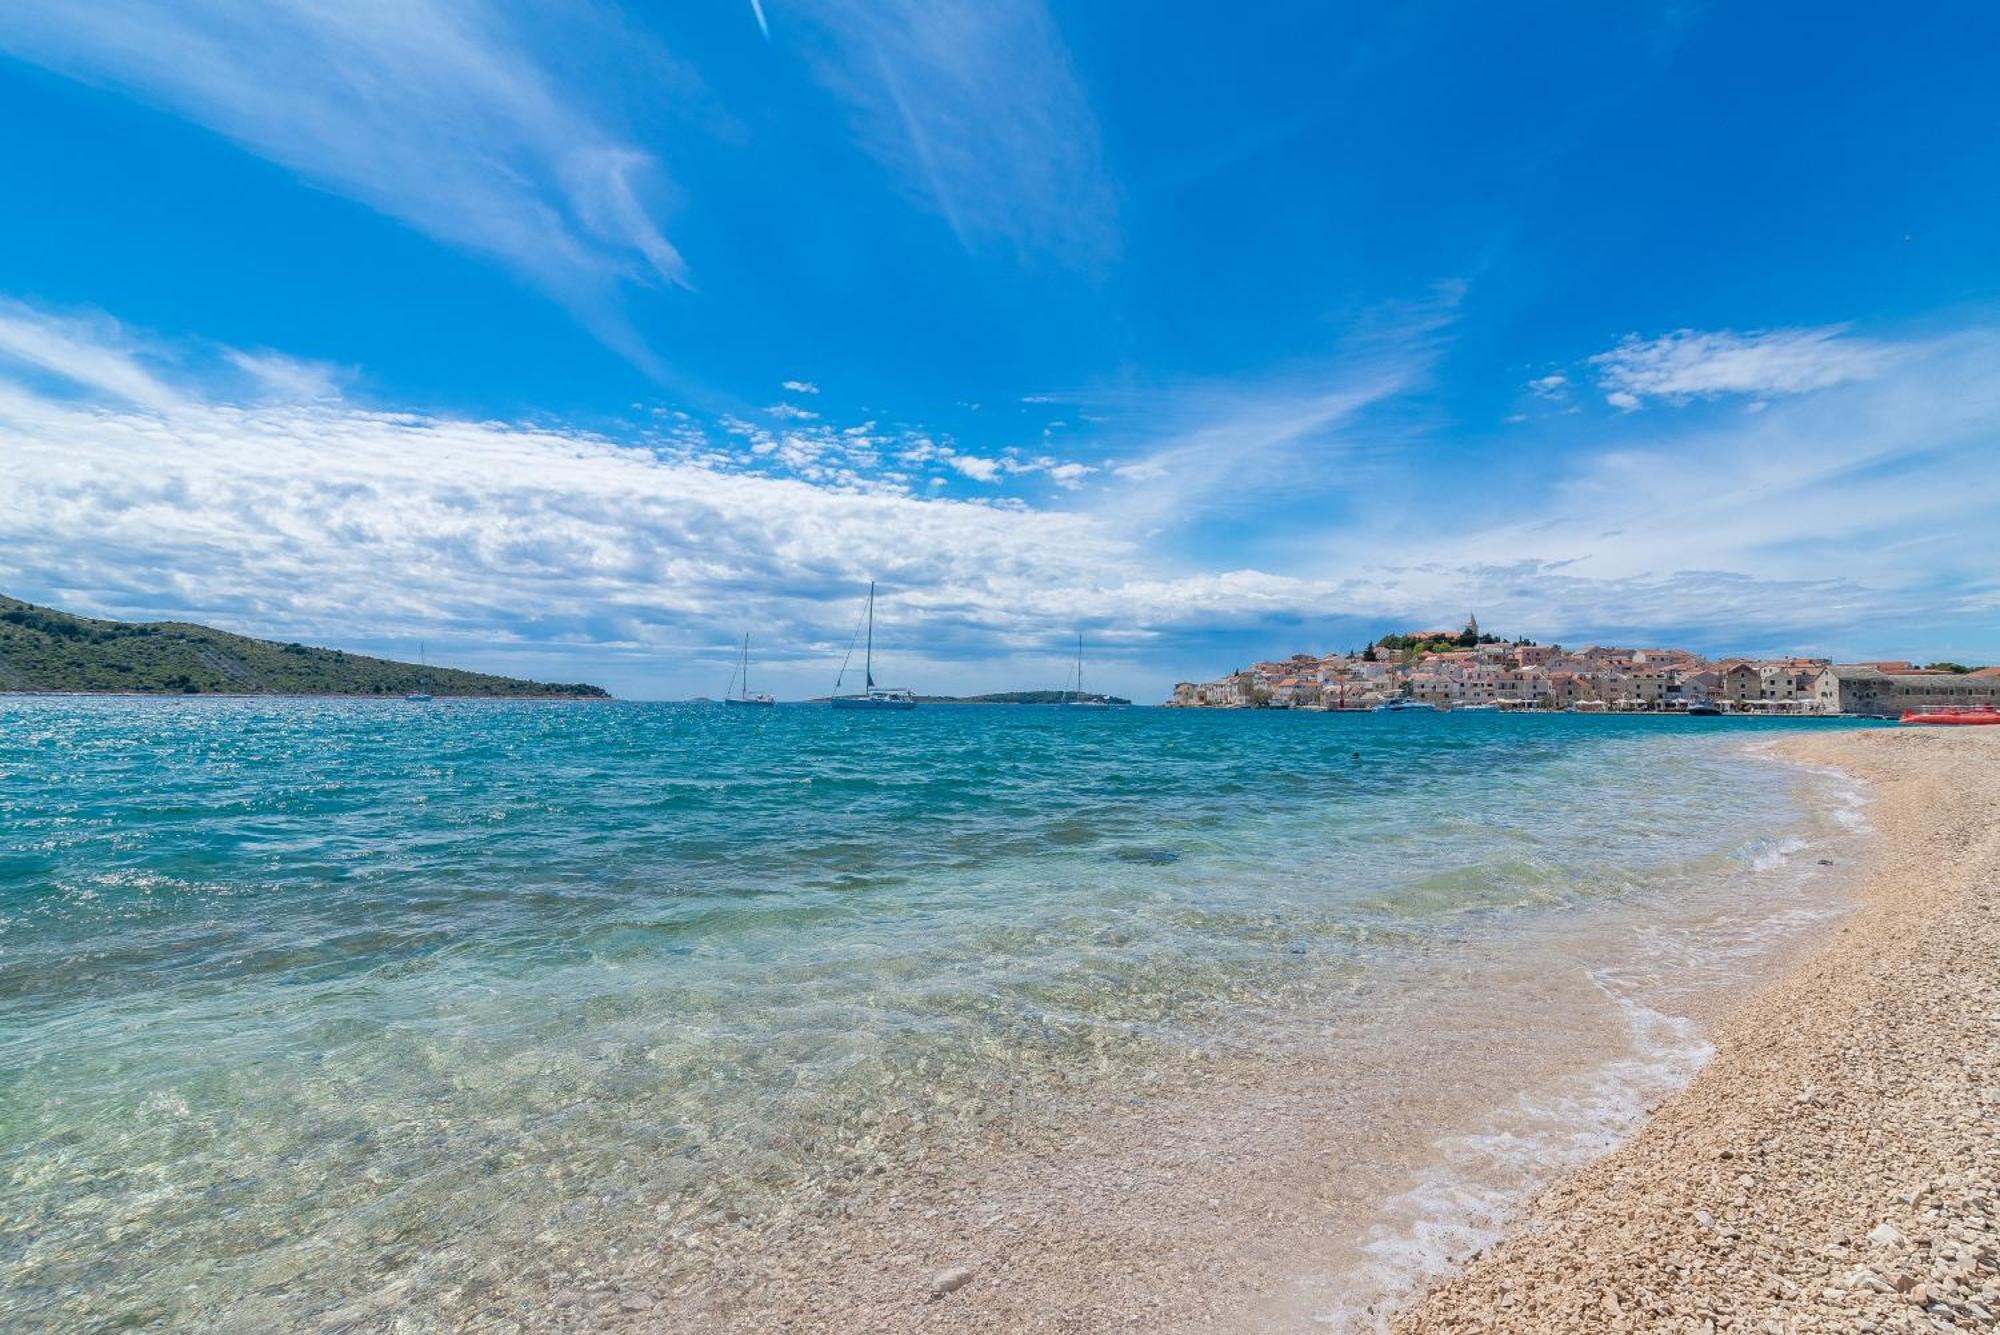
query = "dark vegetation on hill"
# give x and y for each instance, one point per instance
(42, 649)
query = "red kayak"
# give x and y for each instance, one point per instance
(1954, 714)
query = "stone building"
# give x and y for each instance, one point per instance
(1859, 688)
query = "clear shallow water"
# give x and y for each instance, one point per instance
(299, 996)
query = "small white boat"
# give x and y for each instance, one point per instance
(1401, 704)
(1076, 700)
(739, 692)
(873, 697)
(1475, 709)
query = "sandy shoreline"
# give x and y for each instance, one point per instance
(1834, 1167)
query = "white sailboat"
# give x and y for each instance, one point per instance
(873, 696)
(423, 691)
(1076, 700)
(739, 692)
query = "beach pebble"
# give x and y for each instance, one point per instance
(950, 1280)
(1884, 1234)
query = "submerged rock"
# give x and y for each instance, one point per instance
(1154, 855)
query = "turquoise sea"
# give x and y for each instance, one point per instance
(301, 997)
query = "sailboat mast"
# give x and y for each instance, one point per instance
(1079, 667)
(869, 662)
(746, 663)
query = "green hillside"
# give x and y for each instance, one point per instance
(42, 649)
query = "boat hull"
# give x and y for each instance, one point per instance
(751, 703)
(1954, 718)
(875, 703)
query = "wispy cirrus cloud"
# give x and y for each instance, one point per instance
(435, 113)
(291, 379)
(93, 354)
(1691, 364)
(978, 108)
(1293, 431)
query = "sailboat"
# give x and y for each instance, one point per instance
(739, 692)
(1076, 700)
(874, 697)
(423, 691)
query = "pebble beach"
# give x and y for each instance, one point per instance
(1835, 1166)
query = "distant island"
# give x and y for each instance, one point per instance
(45, 650)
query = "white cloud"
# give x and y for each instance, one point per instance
(1232, 444)
(1689, 364)
(977, 107)
(975, 467)
(88, 354)
(1553, 386)
(1235, 445)
(316, 518)
(288, 378)
(320, 519)
(435, 113)
(800, 387)
(791, 412)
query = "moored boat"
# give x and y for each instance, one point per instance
(1075, 698)
(1954, 715)
(872, 696)
(1401, 704)
(739, 692)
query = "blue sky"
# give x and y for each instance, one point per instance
(577, 340)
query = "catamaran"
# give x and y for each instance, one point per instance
(739, 692)
(423, 691)
(874, 697)
(1076, 699)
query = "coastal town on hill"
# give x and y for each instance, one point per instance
(1471, 670)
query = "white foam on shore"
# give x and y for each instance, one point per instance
(1465, 1199)
(1463, 1202)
